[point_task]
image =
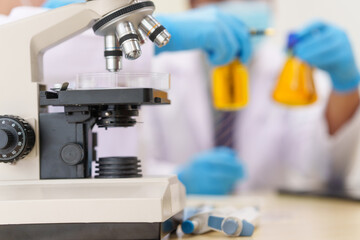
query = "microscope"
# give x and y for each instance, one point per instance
(47, 190)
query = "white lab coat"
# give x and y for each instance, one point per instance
(279, 146)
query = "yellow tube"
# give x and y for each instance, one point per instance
(231, 87)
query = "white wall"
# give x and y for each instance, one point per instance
(293, 14)
(170, 6)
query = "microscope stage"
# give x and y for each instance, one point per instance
(126, 96)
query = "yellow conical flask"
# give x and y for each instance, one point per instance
(295, 85)
(230, 87)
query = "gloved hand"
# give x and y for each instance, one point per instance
(222, 36)
(328, 48)
(212, 173)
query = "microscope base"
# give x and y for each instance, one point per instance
(91, 209)
(89, 231)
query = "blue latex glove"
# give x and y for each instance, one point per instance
(59, 3)
(212, 173)
(221, 35)
(328, 48)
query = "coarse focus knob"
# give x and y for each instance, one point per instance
(17, 139)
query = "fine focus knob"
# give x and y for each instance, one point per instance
(17, 139)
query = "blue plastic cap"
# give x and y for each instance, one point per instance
(215, 222)
(293, 39)
(230, 227)
(188, 227)
(247, 230)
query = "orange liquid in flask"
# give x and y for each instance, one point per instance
(296, 86)
(231, 87)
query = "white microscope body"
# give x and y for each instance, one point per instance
(33, 207)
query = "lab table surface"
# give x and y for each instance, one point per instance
(291, 217)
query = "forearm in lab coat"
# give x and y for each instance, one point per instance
(341, 108)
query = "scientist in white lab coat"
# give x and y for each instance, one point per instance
(297, 148)
(265, 145)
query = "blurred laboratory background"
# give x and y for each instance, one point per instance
(293, 14)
